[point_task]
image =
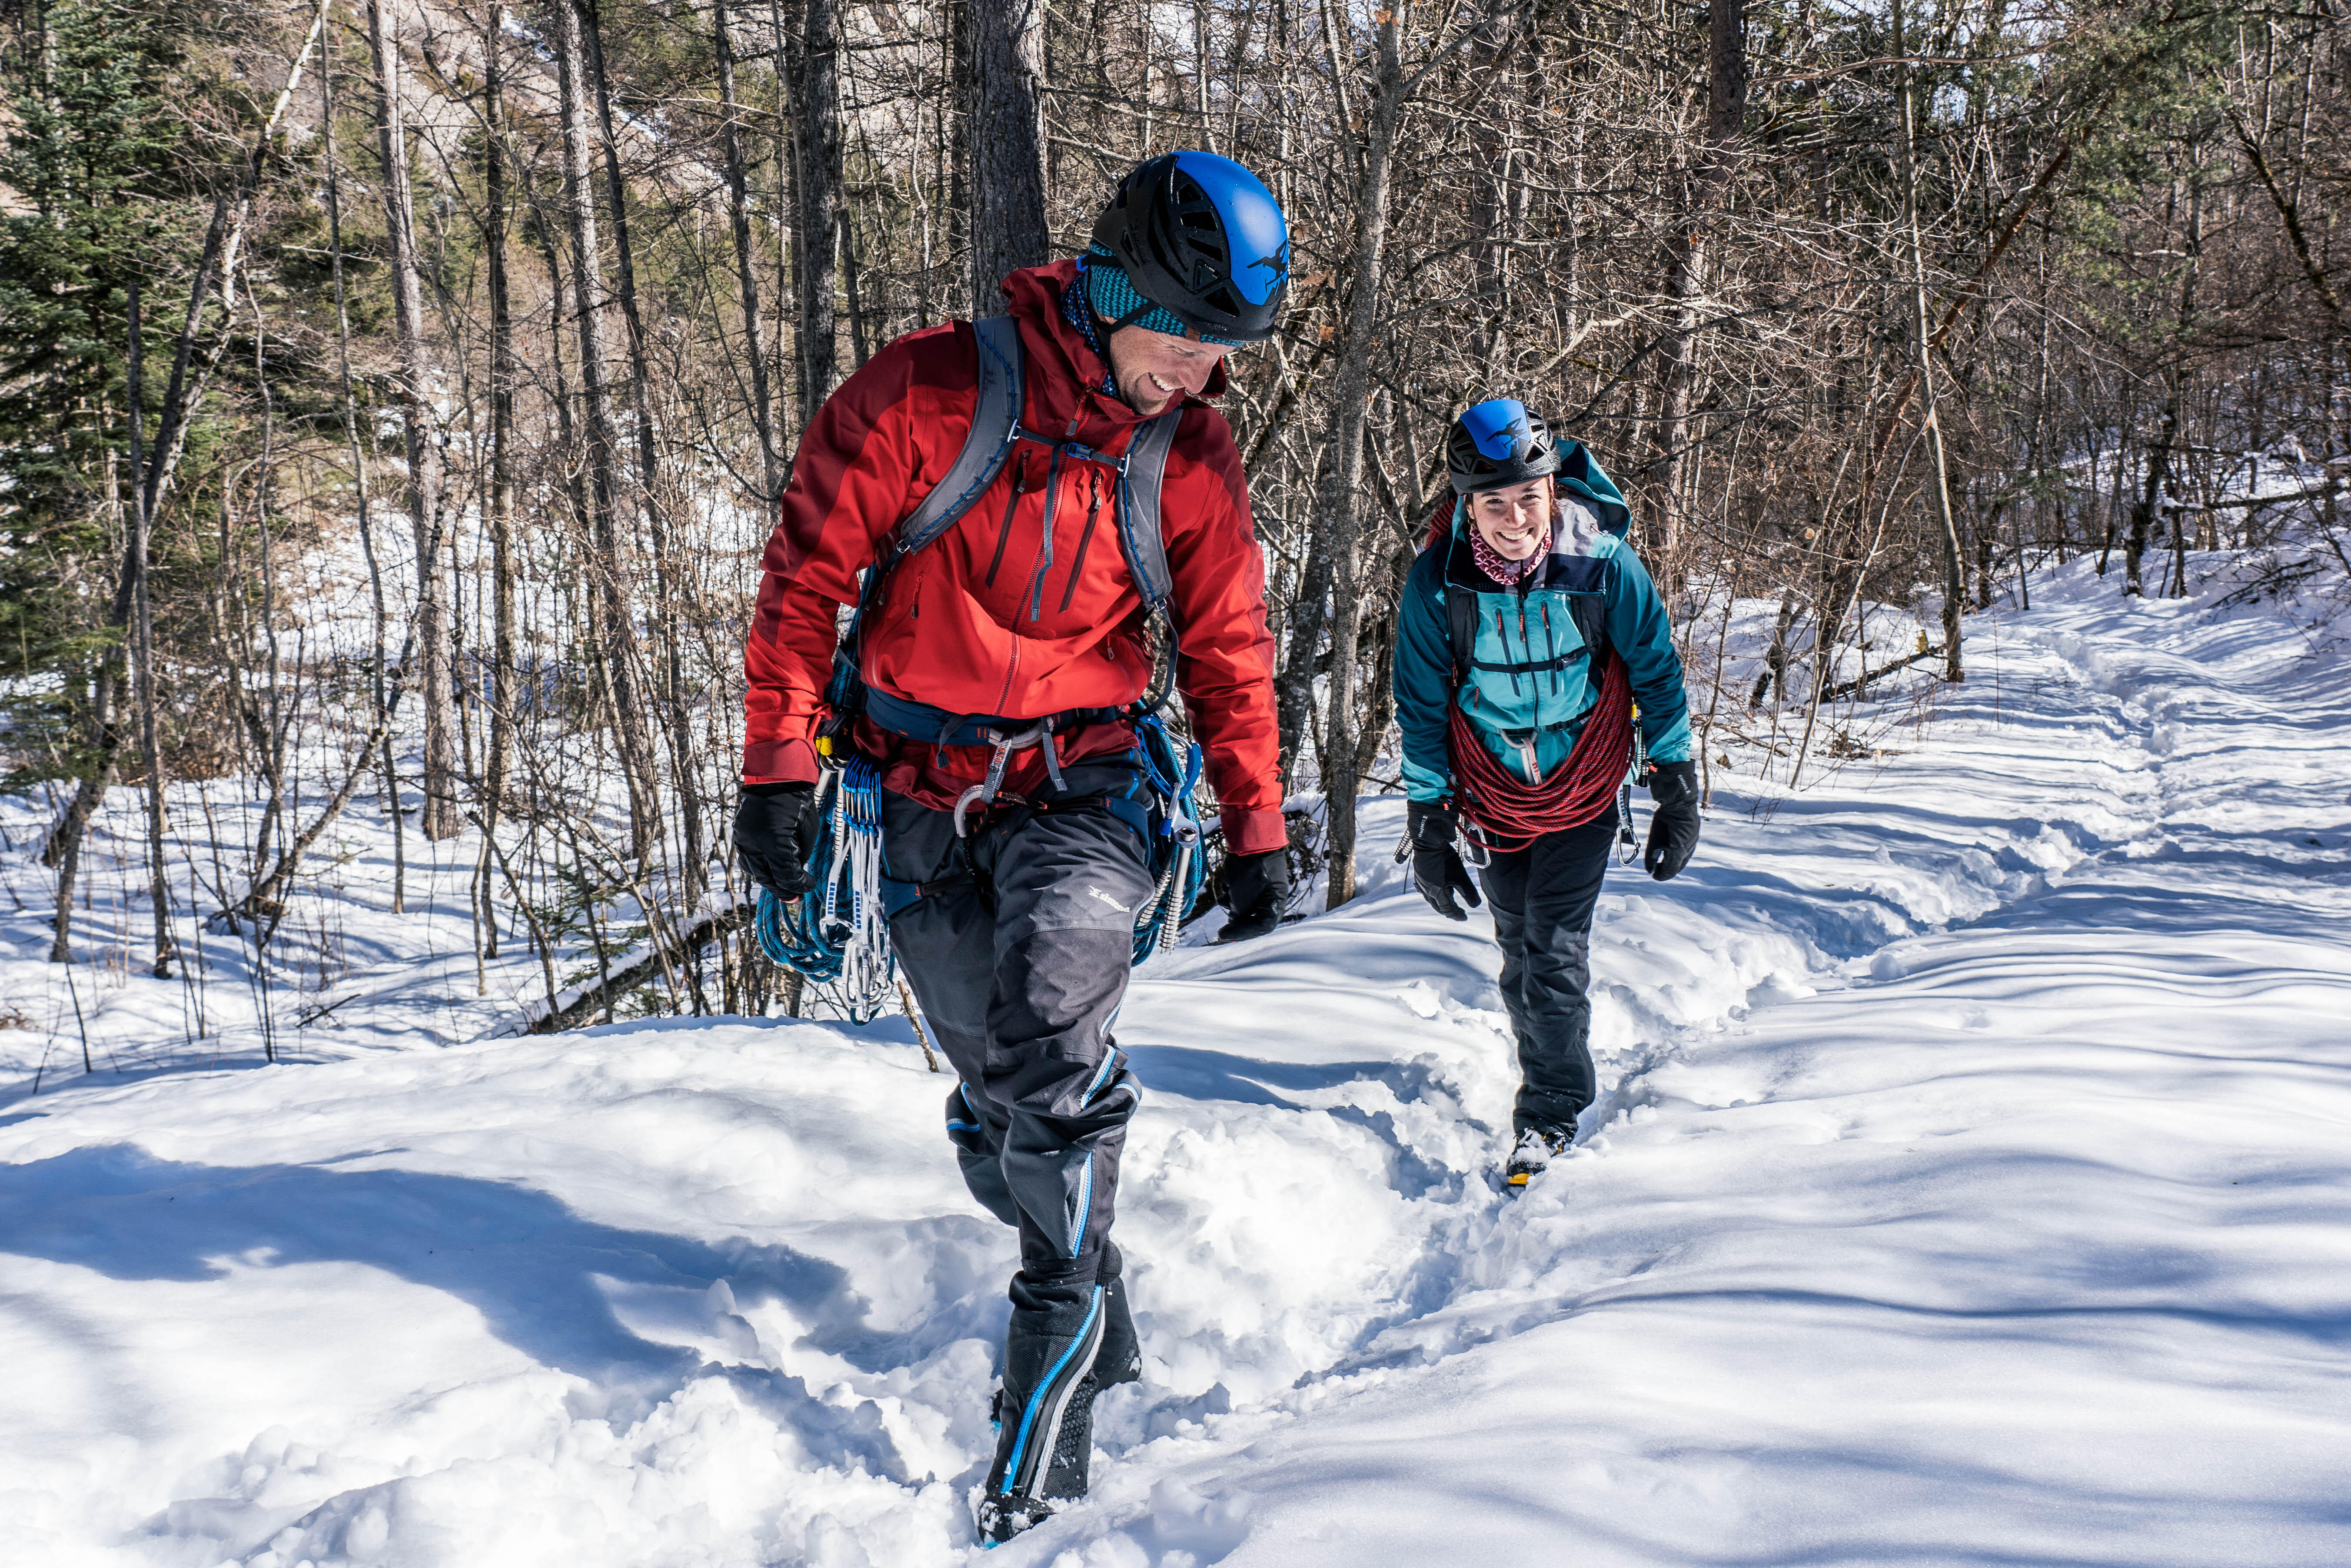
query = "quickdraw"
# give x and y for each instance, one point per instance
(1174, 846)
(838, 933)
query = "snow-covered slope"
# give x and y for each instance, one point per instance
(1971, 1185)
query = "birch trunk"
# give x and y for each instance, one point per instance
(607, 561)
(441, 817)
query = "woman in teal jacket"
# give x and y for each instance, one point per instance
(1503, 615)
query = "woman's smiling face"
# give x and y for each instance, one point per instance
(1513, 520)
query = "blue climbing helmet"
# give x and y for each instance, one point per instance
(1193, 241)
(1499, 442)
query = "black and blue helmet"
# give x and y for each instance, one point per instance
(1202, 245)
(1498, 441)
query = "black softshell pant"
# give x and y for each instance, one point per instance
(1543, 897)
(1019, 950)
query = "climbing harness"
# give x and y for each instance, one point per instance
(837, 933)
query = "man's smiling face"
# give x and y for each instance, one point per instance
(1152, 369)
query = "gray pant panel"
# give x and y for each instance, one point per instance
(1543, 897)
(1018, 951)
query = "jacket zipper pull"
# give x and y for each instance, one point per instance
(1502, 634)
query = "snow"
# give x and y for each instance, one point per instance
(1968, 1187)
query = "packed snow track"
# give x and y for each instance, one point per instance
(1971, 1185)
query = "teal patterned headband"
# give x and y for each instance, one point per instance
(1114, 298)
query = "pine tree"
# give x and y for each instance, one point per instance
(83, 169)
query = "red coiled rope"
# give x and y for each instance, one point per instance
(1511, 814)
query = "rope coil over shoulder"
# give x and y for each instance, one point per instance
(1509, 813)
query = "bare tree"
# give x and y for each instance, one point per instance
(419, 372)
(1004, 123)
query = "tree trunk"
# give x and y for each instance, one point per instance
(498, 762)
(1955, 597)
(2146, 511)
(1005, 129)
(360, 481)
(1337, 501)
(617, 648)
(2158, 476)
(675, 727)
(1293, 689)
(441, 817)
(1492, 136)
(746, 278)
(1726, 113)
(816, 190)
(143, 654)
(63, 850)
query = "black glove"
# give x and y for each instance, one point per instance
(1436, 868)
(1673, 826)
(775, 828)
(1257, 893)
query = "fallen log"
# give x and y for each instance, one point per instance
(574, 1008)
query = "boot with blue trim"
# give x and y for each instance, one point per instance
(1044, 1410)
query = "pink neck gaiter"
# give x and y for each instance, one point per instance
(1505, 572)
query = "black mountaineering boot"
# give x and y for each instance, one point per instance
(1538, 1146)
(1121, 1360)
(1045, 1413)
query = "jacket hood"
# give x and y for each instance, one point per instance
(1033, 297)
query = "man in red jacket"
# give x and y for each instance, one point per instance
(1004, 653)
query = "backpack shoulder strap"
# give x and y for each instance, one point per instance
(995, 425)
(1139, 532)
(1590, 614)
(1462, 622)
(1460, 615)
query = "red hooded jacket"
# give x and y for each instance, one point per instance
(998, 616)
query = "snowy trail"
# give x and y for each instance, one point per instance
(1968, 1187)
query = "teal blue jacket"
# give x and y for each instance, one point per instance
(1531, 683)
